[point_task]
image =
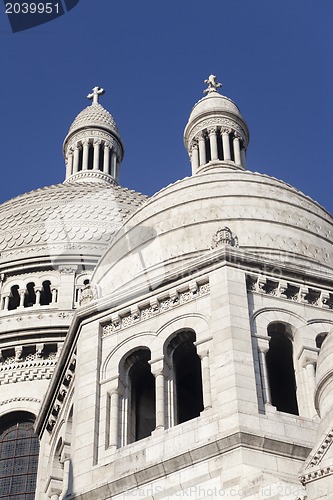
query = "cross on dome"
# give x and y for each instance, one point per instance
(213, 85)
(97, 91)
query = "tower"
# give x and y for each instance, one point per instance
(193, 371)
(50, 242)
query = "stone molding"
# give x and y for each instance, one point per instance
(62, 392)
(27, 371)
(318, 472)
(93, 134)
(297, 292)
(14, 400)
(91, 175)
(218, 122)
(145, 310)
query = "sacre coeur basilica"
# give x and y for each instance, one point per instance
(167, 347)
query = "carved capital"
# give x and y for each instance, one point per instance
(211, 131)
(225, 131)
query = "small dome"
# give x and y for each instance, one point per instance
(214, 103)
(94, 116)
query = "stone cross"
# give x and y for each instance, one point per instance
(97, 91)
(213, 85)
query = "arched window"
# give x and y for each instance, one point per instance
(19, 448)
(320, 339)
(187, 376)
(30, 295)
(141, 395)
(14, 298)
(46, 294)
(280, 367)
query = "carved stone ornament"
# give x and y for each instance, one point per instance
(224, 236)
(88, 293)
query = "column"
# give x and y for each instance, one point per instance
(96, 154)
(213, 144)
(76, 158)
(263, 346)
(308, 359)
(243, 157)
(69, 166)
(114, 164)
(22, 295)
(85, 155)
(236, 144)
(54, 295)
(194, 157)
(5, 302)
(157, 369)
(106, 159)
(226, 144)
(114, 425)
(54, 497)
(38, 293)
(202, 149)
(203, 353)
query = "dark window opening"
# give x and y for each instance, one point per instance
(320, 339)
(90, 156)
(30, 295)
(142, 396)
(46, 294)
(207, 149)
(14, 298)
(187, 367)
(80, 159)
(101, 158)
(219, 146)
(231, 145)
(280, 367)
(19, 448)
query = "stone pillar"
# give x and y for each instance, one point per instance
(203, 353)
(213, 144)
(22, 295)
(54, 295)
(5, 302)
(202, 149)
(76, 158)
(38, 293)
(194, 157)
(114, 164)
(106, 159)
(157, 369)
(236, 144)
(226, 144)
(69, 166)
(308, 359)
(97, 145)
(85, 155)
(243, 157)
(263, 346)
(114, 424)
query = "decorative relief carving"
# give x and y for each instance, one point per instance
(156, 306)
(218, 122)
(92, 134)
(14, 400)
(224, 236)
(88, 293)
(290, 291)
(64, 387)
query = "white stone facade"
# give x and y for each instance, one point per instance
(194, 357)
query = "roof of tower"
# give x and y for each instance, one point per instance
(94, 116)
(214, 103)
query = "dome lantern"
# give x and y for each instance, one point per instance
(216, 134)
(93, 148)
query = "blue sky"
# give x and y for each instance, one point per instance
(274, 60)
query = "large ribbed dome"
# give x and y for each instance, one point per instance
(55, 219)
(176, 227)
(94, 116)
